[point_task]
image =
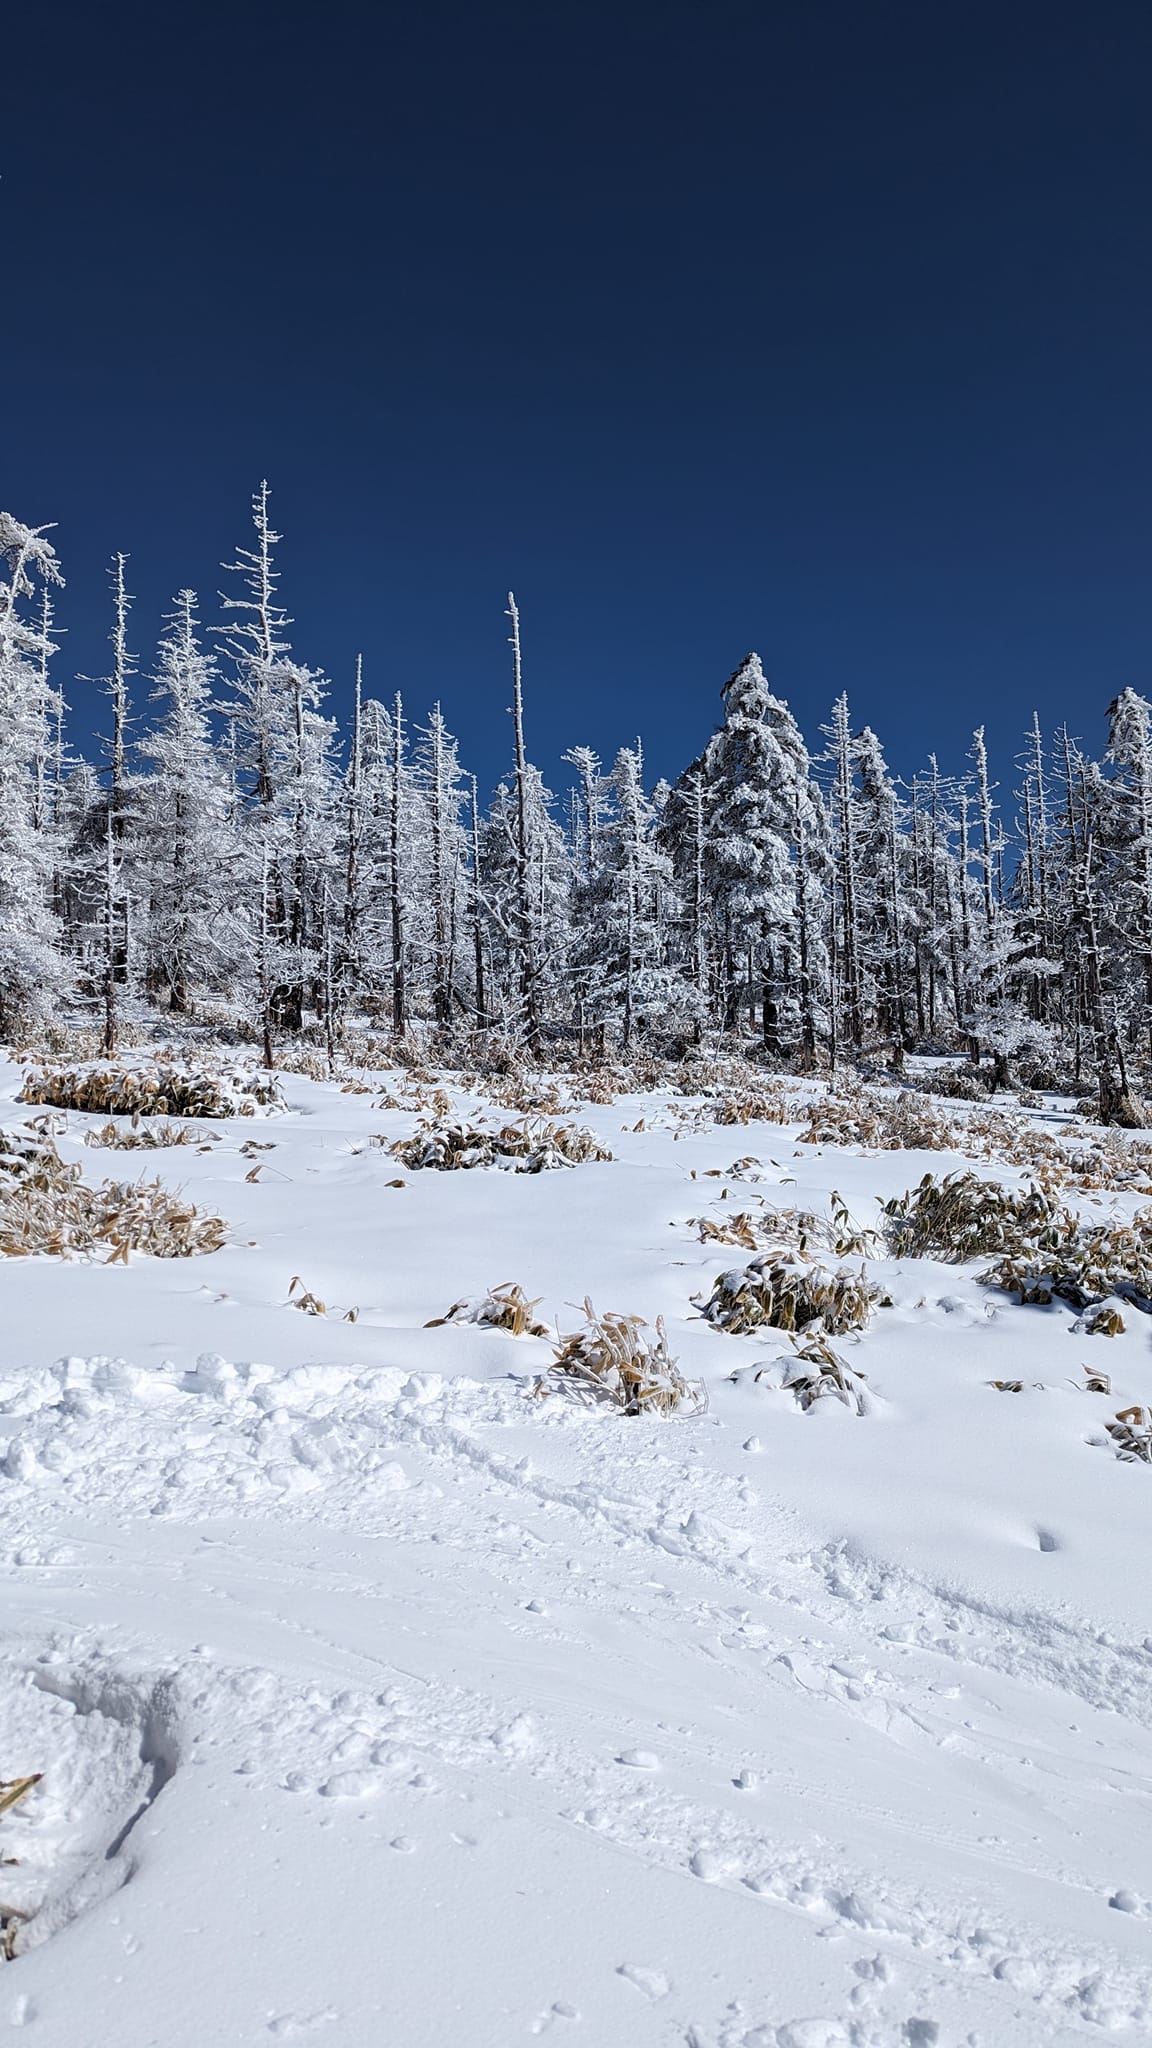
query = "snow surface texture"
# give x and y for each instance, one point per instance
(381, 1701)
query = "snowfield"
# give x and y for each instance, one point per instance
(383, 1702)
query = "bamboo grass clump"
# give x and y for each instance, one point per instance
(505, 1307)
(784, 1293)
(792, 1228)
(535, 1146)
(612, 1361)
(1087, 1265)
(1131, 1435)
(962, 1216)
(151, 1091)
(1046, 1251)
(46, 1209)
(819, 1374)
(144, 1137)
(760, 1106)
(882, 1123)
(813, 1372)
(531, 1094)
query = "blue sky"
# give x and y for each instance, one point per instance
(813, 328)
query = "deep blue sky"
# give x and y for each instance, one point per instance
(817, 328)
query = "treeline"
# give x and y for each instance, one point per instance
(233, 850)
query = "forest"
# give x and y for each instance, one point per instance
(236, 861)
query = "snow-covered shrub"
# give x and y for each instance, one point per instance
(1046, 1250)
(1086, 1265)
(755, 1106)
(612, 1361)
(782, 1293)
(821, 1375)
(1131, 1434)
(531, 1094)
(1104, 1322)
(152, 1090)
(964, 1084)
(812, 1373)
(145, 1137)
(962, 1216)
(506, 1307)
(794, 1228)
(531, 1147)
(45, 1208)
(881, 1123)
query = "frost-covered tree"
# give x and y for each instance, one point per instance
(31, 969)
(192, 861)
(624, 911)
(438, 777)
(749, 795)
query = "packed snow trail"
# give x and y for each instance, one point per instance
(380, 1699)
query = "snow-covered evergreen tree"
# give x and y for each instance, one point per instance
(31, 969)
(197, 935)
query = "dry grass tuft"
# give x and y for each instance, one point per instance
(310, 1304)
(1088, 1263)
(821, 1375)
(881, 1123)
(1046, 1250)
(814, 1372)
(47, 1210)
(1131, 1434)
(799, 1229)
(506, 1307)
(962, 1216)
(147, 1137)
(781, 1293)
(611, 1361)
(532, 1094)
(532, 1147)
(1104, 1322)
(151, 1091)
(762, 1106)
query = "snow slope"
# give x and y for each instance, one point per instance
(380, 1701)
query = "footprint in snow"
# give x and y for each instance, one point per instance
(350, 1785)
(560, 2009)
(653, 1983)
(289, 2026)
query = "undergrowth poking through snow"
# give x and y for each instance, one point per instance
(784, 1293)
(1046, 1250)
(152, 1091)
(617, 1361)
(505, 1307)
(47, 1210)
(531, 1147)
(805, 1688)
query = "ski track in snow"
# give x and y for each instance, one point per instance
(753, 1784)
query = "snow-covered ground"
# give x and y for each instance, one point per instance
(383, 1704)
